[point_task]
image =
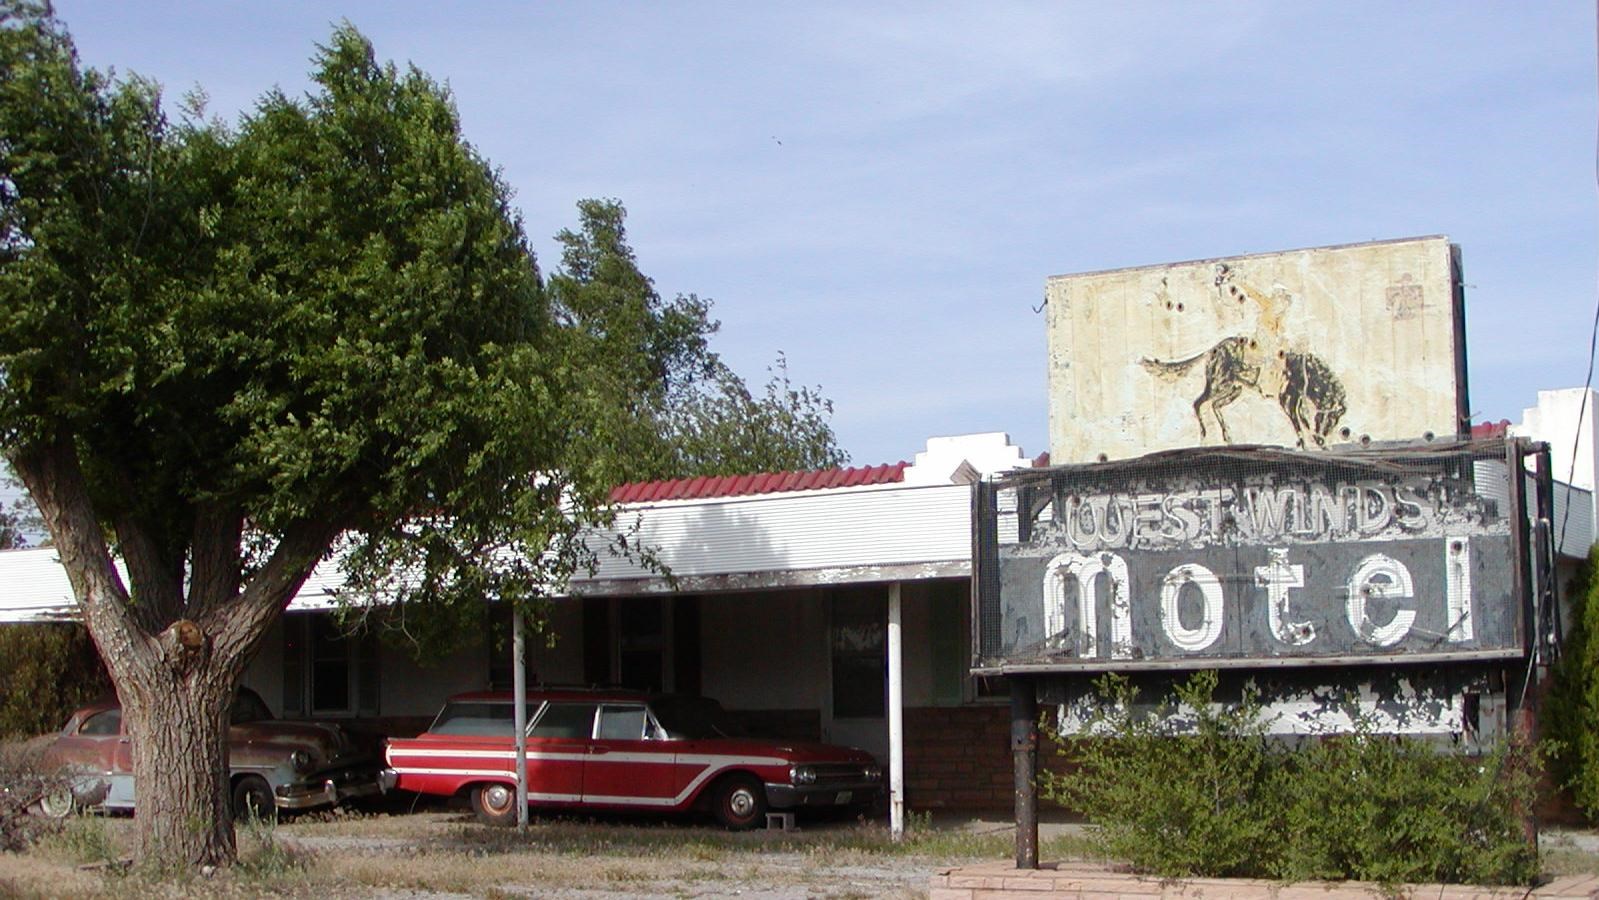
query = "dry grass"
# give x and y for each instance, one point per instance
(433, 854)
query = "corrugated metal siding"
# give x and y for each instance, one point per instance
(1573, 527)
(1578, 534)
(836, 529)
(34, 586)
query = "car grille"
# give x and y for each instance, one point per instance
(839, 773)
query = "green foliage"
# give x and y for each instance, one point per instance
(1198, 789)
(721, 428)
(1569, 718)
(46, 672)
(661, 404)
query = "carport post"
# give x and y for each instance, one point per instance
(519, 700)
(896, 716)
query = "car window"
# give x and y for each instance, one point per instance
(478, 717)
(622, 723)
(248, 707)
(565, 720)
(102, 723)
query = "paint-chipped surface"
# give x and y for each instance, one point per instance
(1214, 557)
(1457, 704)
(1302, 348)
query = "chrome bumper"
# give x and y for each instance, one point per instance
(329, 791)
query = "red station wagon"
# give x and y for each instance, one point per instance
(613, 749)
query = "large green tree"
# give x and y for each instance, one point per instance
(228, 351)
(222, 349)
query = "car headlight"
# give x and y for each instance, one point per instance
(872, 773)
(301, 760)
(802, 775)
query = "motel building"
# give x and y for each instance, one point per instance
(803, 602)
(793, 592)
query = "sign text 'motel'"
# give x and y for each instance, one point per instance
(1268, 566)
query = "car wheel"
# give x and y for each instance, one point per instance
(740, 802)
(252, 799)
(494, 803)
(59, 803)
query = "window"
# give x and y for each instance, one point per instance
(102, 723)
(479, 718)
(327, 672)
(858, 639)
(642, 645)
(248, 707)
(622, 723)
(565, 720)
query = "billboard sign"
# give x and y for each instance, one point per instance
(1301, 348)
(1245, 556)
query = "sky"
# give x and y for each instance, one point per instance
(879, 190)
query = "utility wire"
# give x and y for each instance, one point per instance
(1593, 344)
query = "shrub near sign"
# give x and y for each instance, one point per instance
(1248, 554)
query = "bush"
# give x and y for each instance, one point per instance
(1216, 797)
(47, 670)
(22, 782)
(1569, 719)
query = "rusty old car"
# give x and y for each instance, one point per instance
(273, 764)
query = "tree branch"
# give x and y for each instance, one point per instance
(238, 627)
(54, 479)
(214, 563)
(157, 590)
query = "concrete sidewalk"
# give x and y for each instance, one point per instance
(1002, 881)
(1056, 825)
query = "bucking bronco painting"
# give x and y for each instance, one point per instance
(1302, 348)
(1310, 395)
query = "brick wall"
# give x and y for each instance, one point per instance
(958, 757)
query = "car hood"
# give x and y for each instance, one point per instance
(324, 742)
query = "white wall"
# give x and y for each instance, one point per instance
(1565, 420)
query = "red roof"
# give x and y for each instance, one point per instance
(1490, 429)
(763, 483)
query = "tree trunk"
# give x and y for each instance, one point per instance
(180, 767)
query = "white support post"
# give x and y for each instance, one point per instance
(896, 716)
(519, 701)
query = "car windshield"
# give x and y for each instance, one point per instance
(478, 717)
(693, 718)
(248, 707)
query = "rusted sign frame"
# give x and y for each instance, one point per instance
(1033, 489)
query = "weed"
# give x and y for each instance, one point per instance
(262, 856)
(83, 839)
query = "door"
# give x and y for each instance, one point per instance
(628, 764)
(557, 746)
(857, 636)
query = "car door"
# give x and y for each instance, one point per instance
(99, 748)
(557, 745)
(629, 762)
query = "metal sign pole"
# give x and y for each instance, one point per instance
(519, 701)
